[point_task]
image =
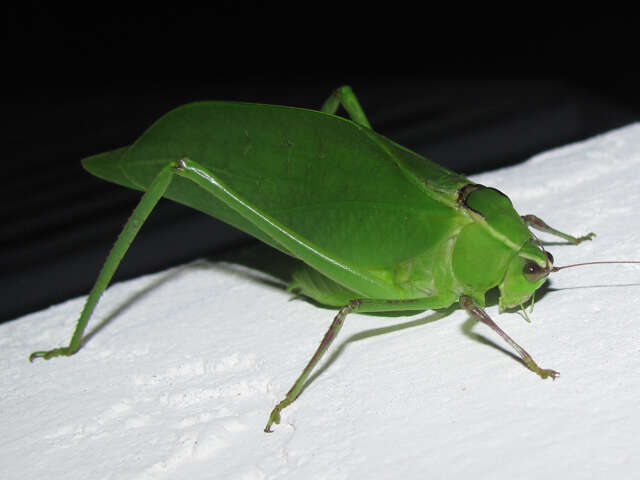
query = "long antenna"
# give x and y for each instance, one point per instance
(555, 269)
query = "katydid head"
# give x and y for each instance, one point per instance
(525, 273)
(528, 270)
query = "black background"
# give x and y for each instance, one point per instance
(471, 90)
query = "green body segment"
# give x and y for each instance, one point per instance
(390, 221)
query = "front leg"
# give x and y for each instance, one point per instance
(479, 314)
(537, 223)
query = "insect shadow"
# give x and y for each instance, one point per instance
(545, 289)
(130, 301)
(492, 300)
(274, 269)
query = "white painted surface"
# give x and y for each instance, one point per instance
(179, 381)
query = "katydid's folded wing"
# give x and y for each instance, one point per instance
(357, 204)
(112, 166)
(435, 181)
(107, 166)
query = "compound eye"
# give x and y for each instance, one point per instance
(549, 257)
(533, 272)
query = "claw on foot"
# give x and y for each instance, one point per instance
(56, 352)
(588, 236)
(545, 373)
(273, 418)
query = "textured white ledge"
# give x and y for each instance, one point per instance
(180, 380)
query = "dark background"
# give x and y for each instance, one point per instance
(471, 94)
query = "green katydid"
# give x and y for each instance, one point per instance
(378, 227)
